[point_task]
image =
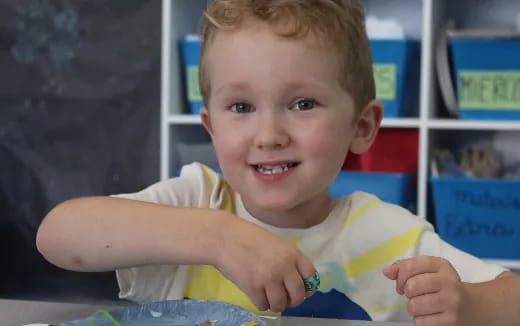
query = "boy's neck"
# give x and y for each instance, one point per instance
(303, 216)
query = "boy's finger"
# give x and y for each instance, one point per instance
(259, 299)
(433, 319)
(277, 296)
(295, 290)
(391, 271)
(305, 267)
(415, 266)
(308, 276)
(422, 284)
(307, 271)
(423, 305)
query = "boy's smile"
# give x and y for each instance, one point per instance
(275, 170)
(280, 122)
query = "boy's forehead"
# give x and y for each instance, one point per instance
(238, 58)
(251, 58)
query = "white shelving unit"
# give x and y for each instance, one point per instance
(422, 19)
(192, 119)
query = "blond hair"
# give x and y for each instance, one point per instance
(338, 24)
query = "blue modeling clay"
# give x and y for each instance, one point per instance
(173, 313)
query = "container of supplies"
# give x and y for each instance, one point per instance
(396, 64)
(479, 216)
(395, 188)
(190, 55)
(486, 73)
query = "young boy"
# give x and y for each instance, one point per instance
(289, 91)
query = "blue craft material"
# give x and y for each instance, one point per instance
(174, 313)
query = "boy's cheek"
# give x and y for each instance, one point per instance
(229, 157)
(332, 149)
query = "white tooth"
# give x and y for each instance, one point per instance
(272, 169)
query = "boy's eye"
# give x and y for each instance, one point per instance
(304, 104)
(241, 107)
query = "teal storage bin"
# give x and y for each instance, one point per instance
(396, 188)
(190, 53)
(487, 76)
(396, 73)
(479, 216)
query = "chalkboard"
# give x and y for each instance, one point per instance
(79, 116)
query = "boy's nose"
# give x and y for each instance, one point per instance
(271, 134)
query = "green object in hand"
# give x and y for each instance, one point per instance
(312, 283)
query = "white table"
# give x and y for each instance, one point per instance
(21, 312)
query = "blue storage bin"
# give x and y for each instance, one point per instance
(487, 75)
(479, 216)
(190, 53)
(396, 188)
(396, 73)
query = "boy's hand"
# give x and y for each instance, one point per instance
(436, 295)
(269, 269)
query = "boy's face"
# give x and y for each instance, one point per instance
(280, 121)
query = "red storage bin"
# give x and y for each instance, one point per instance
(394, 150)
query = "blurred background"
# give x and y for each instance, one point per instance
(79, 116)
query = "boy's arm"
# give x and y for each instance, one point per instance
(495, 302)
(105, 233)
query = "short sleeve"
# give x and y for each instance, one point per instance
(156, 283)
(470, 268)
(185, 191)
(147, 283)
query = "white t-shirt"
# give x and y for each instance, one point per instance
(349, 249)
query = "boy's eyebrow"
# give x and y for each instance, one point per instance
(238, 86)
(305, 85)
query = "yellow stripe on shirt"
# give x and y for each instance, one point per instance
(382, 254)
(210, 173)
(360, 211)
(384, 308)
(294, 240)
(227, 201)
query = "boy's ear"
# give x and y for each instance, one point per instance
(206, 120)
(367, 126)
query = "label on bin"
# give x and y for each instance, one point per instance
(489, 89)
(192, 74)
(385, 76)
